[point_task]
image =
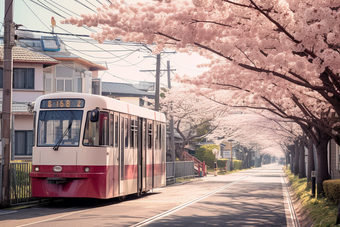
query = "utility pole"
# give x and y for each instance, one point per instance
(7, 100)
(171, 126)
(158, 68)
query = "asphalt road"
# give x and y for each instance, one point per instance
(255, 197)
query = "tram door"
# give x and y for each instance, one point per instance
(141, 160)
(122, 144)
(149, 155)
(132, 157)
(116, 151)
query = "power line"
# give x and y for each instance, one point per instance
(47, 8)
(97, 46)
(91, 3)
(123, 59)
(36, 15)
(124, 79)
(58, 8)
(85, 5)
(36, 31)
(46, 53)
(65, 8)
(115, 42)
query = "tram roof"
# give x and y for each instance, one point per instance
(106, 103)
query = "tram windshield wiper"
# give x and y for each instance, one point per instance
(56, 146)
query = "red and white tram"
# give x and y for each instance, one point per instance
(93, 146)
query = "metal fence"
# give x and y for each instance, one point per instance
(20, 191)
(182, 169)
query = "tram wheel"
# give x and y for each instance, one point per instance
(121, 198)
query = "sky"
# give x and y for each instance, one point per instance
(123, 60)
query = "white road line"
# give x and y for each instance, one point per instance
(175, 209)
(2, 212)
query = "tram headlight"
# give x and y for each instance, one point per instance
(87, 169)
(36, 169)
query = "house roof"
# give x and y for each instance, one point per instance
(93, 66)
(23, 55)
(123, 90)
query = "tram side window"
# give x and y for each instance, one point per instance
(133, 133)
(126, 133)
(111, 130)
(116, 131)
(160, 136)
(150, 136)
(156, 136)
(97, 133)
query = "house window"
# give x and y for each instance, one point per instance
(23, 78)
(78, 82)
(25, 145)
(64, 85)
(48, 83)
(96, 87)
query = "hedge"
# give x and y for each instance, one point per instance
(221, 163)
(237, 163)
(332, 189)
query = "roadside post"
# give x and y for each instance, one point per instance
(215, 172)
(313, 175)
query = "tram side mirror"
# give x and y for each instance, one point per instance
(94, 115)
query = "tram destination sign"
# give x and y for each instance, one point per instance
(62, 103)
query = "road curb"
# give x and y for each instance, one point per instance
(302, 214)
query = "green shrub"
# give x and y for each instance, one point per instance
(332, 189)
(221, 163)
(204, 153)
(237, 164)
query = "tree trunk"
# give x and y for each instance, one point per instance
(292, 158)
(249, 159)
(297, 158)
(287, 159)
(310, 164)
(338, 214)
(322, 175)
(302, 169)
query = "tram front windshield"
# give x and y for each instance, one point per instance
(61, 125)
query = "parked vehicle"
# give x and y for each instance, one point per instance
(96, 147)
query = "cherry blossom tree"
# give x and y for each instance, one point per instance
(190, 113)
(283, 52)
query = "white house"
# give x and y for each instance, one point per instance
(28, 84)
(41, 66)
